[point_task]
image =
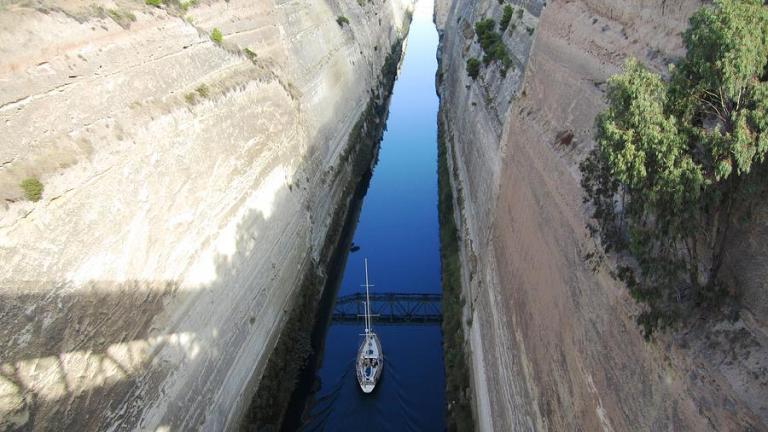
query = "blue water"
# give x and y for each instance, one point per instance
(398, 233)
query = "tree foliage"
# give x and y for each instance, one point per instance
(341, 20)
(492, 44)
(473, 67)
(676, 160)
(506, 16)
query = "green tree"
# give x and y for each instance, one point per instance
(674, 160)
(492, 44)
(506, 16)
(473, 67)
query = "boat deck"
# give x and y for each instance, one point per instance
(370, 362)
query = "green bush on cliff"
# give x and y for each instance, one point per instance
(473, 67)
(676, 162)
(216, 35)
(33, 189)
(341, 20)
(506, 16)
(492, 44)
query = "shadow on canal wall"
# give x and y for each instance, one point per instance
(457, 384)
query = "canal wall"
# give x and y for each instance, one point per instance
(198, 161)
(552, 345)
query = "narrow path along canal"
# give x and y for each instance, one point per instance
(398, 232)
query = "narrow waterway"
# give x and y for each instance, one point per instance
(398, 232)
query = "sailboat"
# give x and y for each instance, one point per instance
(370, 359)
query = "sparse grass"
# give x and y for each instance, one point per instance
(250, 54)
(201, 91)
(33, 189)
(122, 18)
(216, 35)
(185, 5)
(341, 20)
(155, 3)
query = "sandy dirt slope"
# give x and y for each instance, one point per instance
(189, 189)
(554, 345)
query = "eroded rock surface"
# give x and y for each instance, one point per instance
(553, 345)
(189, 187)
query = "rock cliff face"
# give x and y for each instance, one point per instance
(190, 187)
(554, 346)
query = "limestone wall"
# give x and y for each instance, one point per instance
(554, 346)
(189, 187)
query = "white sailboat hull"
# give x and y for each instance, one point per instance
(370, 362)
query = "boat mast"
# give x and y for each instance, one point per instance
(367, 301)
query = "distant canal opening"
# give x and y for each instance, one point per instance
(398, 232)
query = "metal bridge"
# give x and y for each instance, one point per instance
(390, 308)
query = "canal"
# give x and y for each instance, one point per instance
(398, 233)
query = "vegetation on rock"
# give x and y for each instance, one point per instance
(506, 16)
(473, 67)
(492, 44)
(341, 20)
(121, 17)
(676, 162)
(33, 189)
(216, 35)
(458, 392)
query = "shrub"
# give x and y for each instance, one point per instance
(32, 188)
(473, 67)
(185, 5)
(341, 20)
(529, 30)
(677, 162)
(506, 16)
(520, 13)
(216, 35)
(492, 44)
(155, 3)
